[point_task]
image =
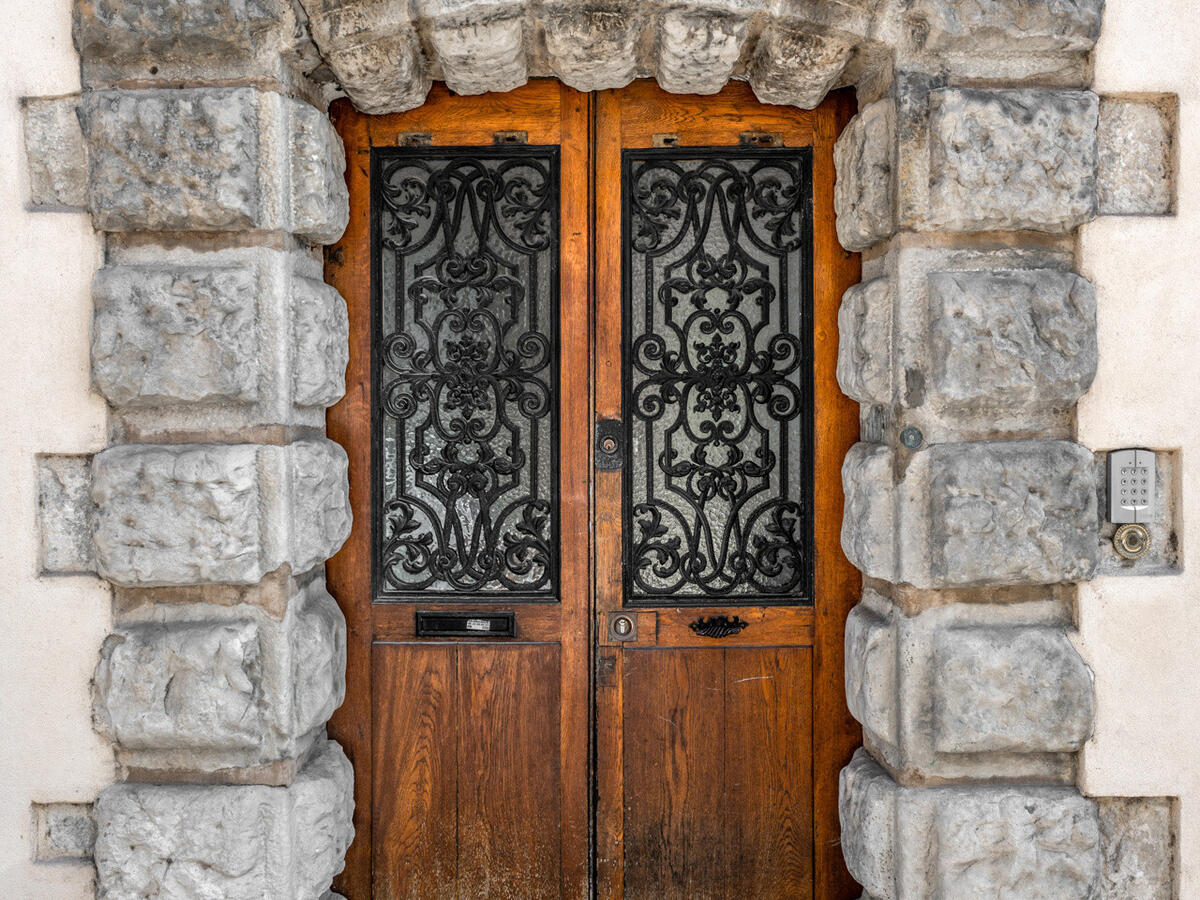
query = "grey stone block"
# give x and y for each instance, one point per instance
(55, 153)
(1136, 175)
(972, 514)
(481, 54)
(180, 842)
(1011, 160)
(190, 344)
(1013, 26)
(969, 690)
(970, 343)
(65, 515)
(208, 159)
(1038, 843)
(373, 50)
(120, 40)
(185, 335)
(63, 831)
(594, 47)
(865, 191)
(224, 514)
(203, 689)
(1138, 841)
(698, 51)
(796, 68)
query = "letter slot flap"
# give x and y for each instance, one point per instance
(442, 623)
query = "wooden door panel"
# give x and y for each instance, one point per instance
(718, 783)
(753, 774)
(414, 809)
(467, 771)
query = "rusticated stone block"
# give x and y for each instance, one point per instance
(55, 153)
(1011, 160)
(209, 513)
(175, 335)
(180, 842)
(594, 47)
(937, 690)
(1021, 26)
(189, 39)
(204, 689)
(962, 843)
(970, 343)
(320, 343)
(1138, 842)
(205, 160)
(188, 344)
(698, 50)
(796, 68)
(65, 514)
(63, 831)
(1136, 174)
(972, 514)
(481, 55)
(373, 50)
(865, 191)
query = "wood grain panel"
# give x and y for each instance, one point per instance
(414, 810)
(509, 771)
(674, 773)
(768, 773)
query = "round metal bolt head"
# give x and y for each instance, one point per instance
(911, 437)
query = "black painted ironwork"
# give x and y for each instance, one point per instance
(718, 375)
(718, 626)
(465, 344)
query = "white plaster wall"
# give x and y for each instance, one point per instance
(52, 627)
(1142, 635)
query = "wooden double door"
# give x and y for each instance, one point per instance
(594, 589)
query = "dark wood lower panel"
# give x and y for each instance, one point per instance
(718, 773)
(467, 771)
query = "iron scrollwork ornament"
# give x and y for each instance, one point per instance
(718, 374)
(466, 370)
(718, 626)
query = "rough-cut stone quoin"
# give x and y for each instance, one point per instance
(253, 842)
(972, 514)
(204, 689)
(968, 690)
(962, 843)
(207, 160)
(223, 514)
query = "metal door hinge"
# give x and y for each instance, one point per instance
(760, 139)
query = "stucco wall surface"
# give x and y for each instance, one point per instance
(1141, 635)
(52, 627)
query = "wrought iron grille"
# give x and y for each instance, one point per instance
(465, 363)
(718, 376)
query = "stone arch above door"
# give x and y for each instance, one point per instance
(201, 148)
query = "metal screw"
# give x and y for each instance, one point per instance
(911, 437)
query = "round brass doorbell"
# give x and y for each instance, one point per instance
(1131, 541)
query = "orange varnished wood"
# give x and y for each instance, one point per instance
(797, 853)
(782, 743)
(550, 114)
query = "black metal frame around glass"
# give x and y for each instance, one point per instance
(470, 393)
(767, 558)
